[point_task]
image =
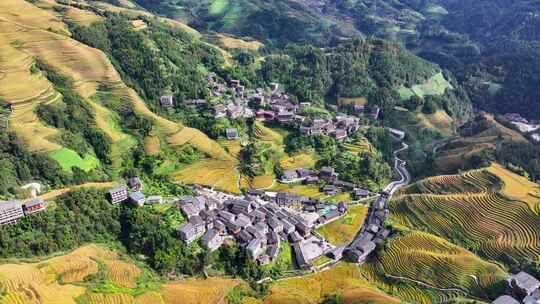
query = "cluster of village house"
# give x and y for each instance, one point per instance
(522, 288)
(372, 233)
(326, 175)
(259, 221)
(275, 106)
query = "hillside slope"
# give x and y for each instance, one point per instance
(492, 212)
(37, 45)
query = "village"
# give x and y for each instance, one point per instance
(258, 221)
(274, 105)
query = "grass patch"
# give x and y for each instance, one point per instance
(343, 230)
(68, 158)
(218, 7)
(436, 85)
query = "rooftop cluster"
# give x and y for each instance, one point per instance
(259, 222)
(233, 100)
(522, 288)
(326, 176)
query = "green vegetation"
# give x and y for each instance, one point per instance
(68, 158)
(155, 61)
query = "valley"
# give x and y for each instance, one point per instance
(268, 152)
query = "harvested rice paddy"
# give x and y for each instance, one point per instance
(345, 279)
(484, 218)
(343, 230)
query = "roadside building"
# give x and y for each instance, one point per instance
(34, 206)
(256, 247)
(135, 184)
(167, 101)
(219, 111)
(155, 199)
(360, 193)
(118, 194)
(289, 175)
(137, 198)
(10, 212)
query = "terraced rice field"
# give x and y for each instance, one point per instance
(233, 147)
(432, 260)
(220, 174)
(518, 187)
(343, 230)
(488, 223)
(409, 292)
(195, 291)
(434, 86)
(122, 274)
(345, 279)
(361, 146)
(268, 135)
(451, 157)
(305, 190)
(61, 280)
(37, 282)
(235, 43)
(475, 181)
(152, 145)
(300, 160)
(25, 35)
(439, 121)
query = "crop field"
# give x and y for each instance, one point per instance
(416, 257)
(343, 230)
(359, 101)
(436, 85)
(300, 160)
(80, 16)
(452, 156)
(68, 158)
(490, 224)
(345, 279)
(32, 17)
(152, 145)
(230, 42)
(195, 291)
(268, 135)
(233, 147)
(221, 174)
(61, 279)
(360, 147)
(406, 290)
(474, 181)
(122, 274)
(421, 256)
(37, 282)
(517, 187)
(305, 190)
(439, 121)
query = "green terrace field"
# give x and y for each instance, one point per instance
(68, 158)
(436, 85)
